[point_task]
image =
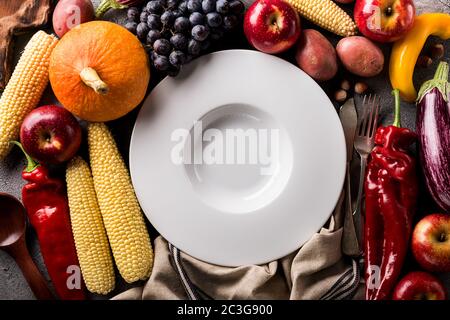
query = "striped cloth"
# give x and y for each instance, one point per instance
(317, 270)
(343, 289)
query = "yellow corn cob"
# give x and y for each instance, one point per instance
(125, 226)
(89, 232)
(25, 88)
(326, 14)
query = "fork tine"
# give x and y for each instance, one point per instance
(362, 119)
(370, 108)
(377, 114)
(368, 119)
(372, 119)
(375, 120)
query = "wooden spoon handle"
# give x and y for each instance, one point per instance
(31, 273)
(5, 56)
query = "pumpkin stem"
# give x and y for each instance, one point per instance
(91, 78)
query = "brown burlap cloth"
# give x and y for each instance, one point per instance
(318, 270)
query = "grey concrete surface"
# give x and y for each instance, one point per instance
(12, 283)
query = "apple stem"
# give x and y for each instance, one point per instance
(389, 11)
(31, 164)
(442, 237)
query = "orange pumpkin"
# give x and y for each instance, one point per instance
(99, 71)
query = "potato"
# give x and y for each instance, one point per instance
(71, 13)
(360, 56)
(316, 56)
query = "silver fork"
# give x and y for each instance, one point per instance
(364, 142)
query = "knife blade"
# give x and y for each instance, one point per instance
(349, 119)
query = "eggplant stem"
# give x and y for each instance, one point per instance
(105, 5)
(442, 72)
(31, 164)
(440, 81)
(397, 118)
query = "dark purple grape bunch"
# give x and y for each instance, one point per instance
(176, 31)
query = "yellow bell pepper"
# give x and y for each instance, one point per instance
(406, 51)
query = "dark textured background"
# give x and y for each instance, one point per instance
(12, 283)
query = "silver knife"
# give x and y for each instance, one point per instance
(349, 119)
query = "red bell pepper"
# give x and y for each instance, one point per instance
(45, 201)
(391, 189)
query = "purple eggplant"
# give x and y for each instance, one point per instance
(433, 128)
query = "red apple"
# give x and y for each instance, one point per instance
(50, 134)
(431, 242)
(384, 20)
(419, 285)
(271, 26)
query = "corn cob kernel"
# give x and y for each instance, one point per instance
(25, 88)
(89, 232)
(326, 14)
(124, 222)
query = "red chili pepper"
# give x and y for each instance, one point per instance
(391, 190)
(46, 203)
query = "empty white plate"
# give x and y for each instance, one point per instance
(239, 159)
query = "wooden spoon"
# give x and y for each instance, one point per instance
(12, 240)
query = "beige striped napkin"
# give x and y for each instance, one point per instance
(318, 270)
